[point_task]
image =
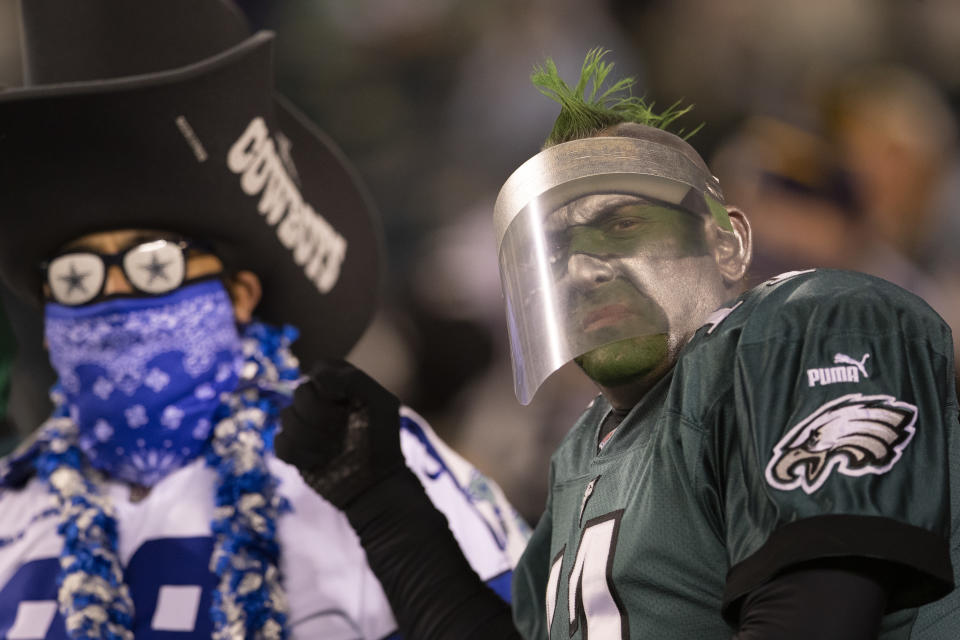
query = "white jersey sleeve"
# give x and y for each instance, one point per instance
(490, 531)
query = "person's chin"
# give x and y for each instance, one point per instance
(625, 361)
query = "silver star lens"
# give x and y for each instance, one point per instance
(76, 278)
(155, 267)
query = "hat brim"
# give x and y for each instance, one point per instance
(209, 151)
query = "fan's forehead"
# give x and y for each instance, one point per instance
(113, 240)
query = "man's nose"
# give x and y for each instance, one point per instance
(586, 270)
(116, 281)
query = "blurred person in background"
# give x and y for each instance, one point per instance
(775, 462)
(869, 182)
(172, 213)
(896, 137)
(789, 172)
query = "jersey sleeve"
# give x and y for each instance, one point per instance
(490, 532)
(331, 590)
(840, 440)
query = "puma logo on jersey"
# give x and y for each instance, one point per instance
(853, 435)
(850, 370)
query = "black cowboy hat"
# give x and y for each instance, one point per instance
(163, 115)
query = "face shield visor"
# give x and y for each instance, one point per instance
(593, 236)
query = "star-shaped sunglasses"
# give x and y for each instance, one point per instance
(154, 267)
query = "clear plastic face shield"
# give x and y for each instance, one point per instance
(605, 256)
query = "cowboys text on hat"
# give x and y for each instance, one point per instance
(315, 244)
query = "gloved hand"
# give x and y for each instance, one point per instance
(342, 432)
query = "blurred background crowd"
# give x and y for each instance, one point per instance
(833, 124)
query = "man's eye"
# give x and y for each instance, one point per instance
(621, 225)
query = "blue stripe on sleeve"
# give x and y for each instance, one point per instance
(417, 431)
(501, 585)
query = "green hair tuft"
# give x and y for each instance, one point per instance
(583, 114)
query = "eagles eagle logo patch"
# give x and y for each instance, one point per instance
(854, 435)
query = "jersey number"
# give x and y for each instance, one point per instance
(171, 587)
(591, 598)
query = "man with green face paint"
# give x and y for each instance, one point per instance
(780, 462)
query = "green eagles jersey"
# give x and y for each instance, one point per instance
(814, 417)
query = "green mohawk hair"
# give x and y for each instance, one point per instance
(583, 115)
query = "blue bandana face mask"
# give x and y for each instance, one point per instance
(143, 377)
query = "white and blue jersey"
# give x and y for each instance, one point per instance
(165, 545)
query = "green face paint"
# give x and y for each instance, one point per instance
(626, 360)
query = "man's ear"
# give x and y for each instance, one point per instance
(245, 293)
(734, 247)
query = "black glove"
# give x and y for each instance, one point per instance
(342, 432)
